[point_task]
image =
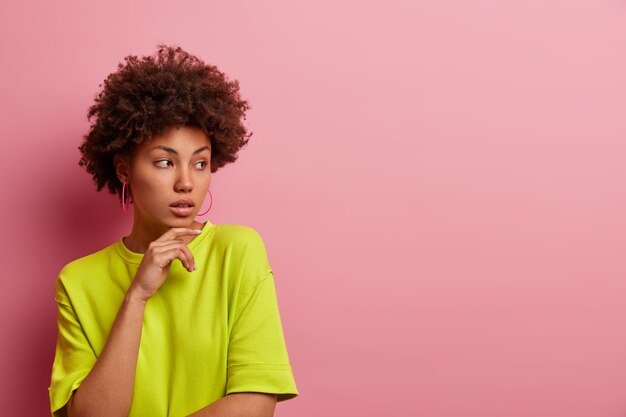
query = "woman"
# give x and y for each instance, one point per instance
(179, 317)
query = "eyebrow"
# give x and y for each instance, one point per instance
(171, 150)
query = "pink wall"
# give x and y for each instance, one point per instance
(440, 184)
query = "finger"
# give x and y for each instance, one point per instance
(191, 262)
(176, 232)
(181, 251)
(170, 255)
(158, 243)
(169, 244)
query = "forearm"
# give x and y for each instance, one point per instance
(108, 389)
(240, 404)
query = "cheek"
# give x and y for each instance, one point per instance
(149, 187)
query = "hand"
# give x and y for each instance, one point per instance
(158, 258)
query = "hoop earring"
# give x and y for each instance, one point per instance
(210, 205)
(124, 203)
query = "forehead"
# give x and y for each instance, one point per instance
(184, 140)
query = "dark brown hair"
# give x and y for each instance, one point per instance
(146, 96)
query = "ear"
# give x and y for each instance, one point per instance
(122, 167)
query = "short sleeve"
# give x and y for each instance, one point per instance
(73, 359)
(257, 355)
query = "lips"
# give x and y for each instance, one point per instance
(182, 203)
(182, 207)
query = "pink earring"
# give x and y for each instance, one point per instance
(210, 205)
(124, 203)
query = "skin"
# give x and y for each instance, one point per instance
(156, 178)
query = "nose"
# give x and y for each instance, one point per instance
(184, 182)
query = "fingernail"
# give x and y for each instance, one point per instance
(195, 267)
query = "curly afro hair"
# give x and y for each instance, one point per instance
(147, 96)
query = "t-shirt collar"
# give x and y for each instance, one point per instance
(135, 258)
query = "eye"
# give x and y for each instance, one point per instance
(163, 160)
(204, 164)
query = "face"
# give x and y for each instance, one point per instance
(173, 166)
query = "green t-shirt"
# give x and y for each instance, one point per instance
(206, 333)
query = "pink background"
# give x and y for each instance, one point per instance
(440, 185)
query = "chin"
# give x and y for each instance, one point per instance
(180, 221)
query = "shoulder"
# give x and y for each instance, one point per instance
(244, 253)
(75, 274)
(240, 239)
(85, 263)
(238, 232)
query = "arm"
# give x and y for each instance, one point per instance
(240, 404)
(108, 389)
